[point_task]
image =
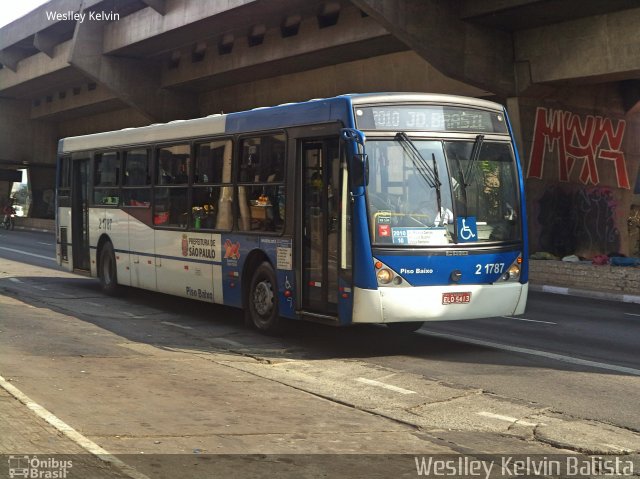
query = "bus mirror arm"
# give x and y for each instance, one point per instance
(360, 162)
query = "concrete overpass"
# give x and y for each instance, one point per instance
(116, 64)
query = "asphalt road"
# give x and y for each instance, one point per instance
(574, 356)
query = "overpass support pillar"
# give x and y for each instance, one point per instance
(475, 55)
(42, 185)
(31, 145)
(135, 81)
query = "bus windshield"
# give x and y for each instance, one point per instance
(421, 192)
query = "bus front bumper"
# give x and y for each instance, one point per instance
(425, 303)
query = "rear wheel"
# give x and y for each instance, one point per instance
(405, 327)
(262, 300)
(108, 271)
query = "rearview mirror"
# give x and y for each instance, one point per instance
(360, 170)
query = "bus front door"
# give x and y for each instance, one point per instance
(80, 215)
(319, 236)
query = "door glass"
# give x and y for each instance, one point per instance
(80, 215)
(314, 219)
(321, 207)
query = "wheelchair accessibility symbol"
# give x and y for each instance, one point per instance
(467, 229)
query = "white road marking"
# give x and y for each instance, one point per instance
(94, 304)
(27, 254)
(555, 289)
(69, 432)
(176, 325)
(534, 352)
(500, 417)
(528, 320)
(48, 244)
(15, 280)
(373, 382)
(632, 314)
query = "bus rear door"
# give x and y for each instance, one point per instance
(80, 215)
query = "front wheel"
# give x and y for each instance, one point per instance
(108, 271)
(262, 300)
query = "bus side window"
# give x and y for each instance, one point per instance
(106, 176)
(261, 190)
(212, 201)
(136, 181)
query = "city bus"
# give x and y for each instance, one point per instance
(390, 208)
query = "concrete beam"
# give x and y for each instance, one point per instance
(600, 48)
(473, 54)
(45, 42)
(474, 8)
(134, 81)
(38, 74)
(10, 57)
(158, 5)
(181, 22)
(37, 20)
(351, 38)
(75, 102)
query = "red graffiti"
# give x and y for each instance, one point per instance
(232, 250)
(574, 137)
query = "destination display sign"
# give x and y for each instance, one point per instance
(429, 118)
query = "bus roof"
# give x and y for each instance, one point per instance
(264, 118)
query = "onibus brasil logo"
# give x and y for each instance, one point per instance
(36, 468)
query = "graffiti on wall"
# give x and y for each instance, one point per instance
(578, 219)
(575, 137)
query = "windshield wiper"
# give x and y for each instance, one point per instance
(475, 154)
(462, 185)
(429, 173)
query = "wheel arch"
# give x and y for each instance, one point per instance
(104, 239)
(255, 258)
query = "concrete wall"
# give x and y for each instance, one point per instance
(618, 279)
(581, 158)
(15, 131)
(113, 120)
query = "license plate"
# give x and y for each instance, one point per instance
(456, 298)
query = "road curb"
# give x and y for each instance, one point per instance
(584, 293)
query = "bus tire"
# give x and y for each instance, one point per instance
(408, 327)
(262, 300)
(108, 271)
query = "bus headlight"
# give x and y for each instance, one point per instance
(512, 274)
(384, 276)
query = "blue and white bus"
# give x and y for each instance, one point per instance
(393, 208)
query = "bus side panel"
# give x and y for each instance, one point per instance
(524, 274)
(235, 251)
(64, 249)
(280, 253)
(96, 229)
(117, 227)
(185, 263)
(142, 251)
